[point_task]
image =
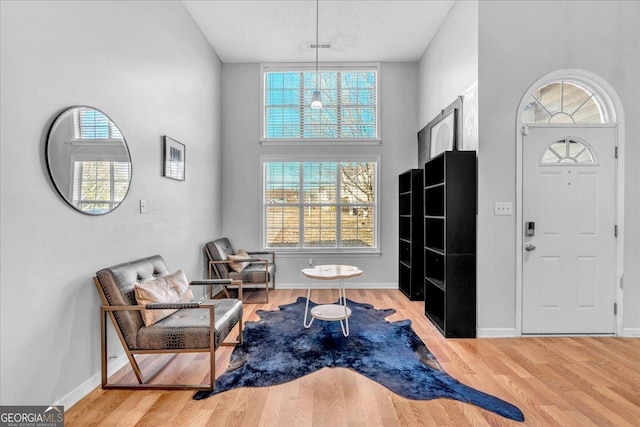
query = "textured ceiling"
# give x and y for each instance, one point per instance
(281, 30)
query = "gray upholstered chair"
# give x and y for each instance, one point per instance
(260, 273)
(195, 327)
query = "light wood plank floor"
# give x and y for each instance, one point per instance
(576, 381)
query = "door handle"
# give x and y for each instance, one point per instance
(529, 247)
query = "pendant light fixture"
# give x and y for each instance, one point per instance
(316, 103)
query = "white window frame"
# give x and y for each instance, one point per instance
(375, 249)
(364, 66)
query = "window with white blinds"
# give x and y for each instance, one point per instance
(92, 124)
(316, 205)
(349, 104)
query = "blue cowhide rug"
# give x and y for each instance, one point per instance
(278, 349)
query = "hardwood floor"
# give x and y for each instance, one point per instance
(575, 381)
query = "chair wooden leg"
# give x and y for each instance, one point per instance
(266, 284)
(103, 349)
(239, 339)
(212, 355)
(239, 284)
(103, 346)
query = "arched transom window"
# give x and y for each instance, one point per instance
(568, 151)
(563, 102)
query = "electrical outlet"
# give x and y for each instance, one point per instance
(143, 206)
(503, 208)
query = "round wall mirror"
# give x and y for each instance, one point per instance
(88, 160)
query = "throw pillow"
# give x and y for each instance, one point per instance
(181, 285)
(237, 264)
(167, 289)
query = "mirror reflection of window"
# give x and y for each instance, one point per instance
(99, 186)
(92, 124)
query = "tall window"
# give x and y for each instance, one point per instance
(349, 99)
(320, 204)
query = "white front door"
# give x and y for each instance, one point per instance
(569, 207)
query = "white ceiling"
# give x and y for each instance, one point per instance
(281, 30)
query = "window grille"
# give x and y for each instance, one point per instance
(320, 204)
(563, 102)
(349, 98)
(567, 151)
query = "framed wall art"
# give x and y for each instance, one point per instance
(174, 156)
(423, 146)
(442, 133)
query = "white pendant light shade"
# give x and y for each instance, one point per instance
(316, 104)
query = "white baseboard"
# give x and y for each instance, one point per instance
(75, 395)
(631, 332)
(331, 285)
(497, 333)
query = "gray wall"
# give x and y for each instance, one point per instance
(501, 48)
(520, 42)
(449, 66)
(148, 67)
(242, 208)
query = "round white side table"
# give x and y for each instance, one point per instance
(330, 312)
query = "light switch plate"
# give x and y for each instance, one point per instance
(503, 208)
(143, 206)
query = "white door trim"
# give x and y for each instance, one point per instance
(615, 114)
